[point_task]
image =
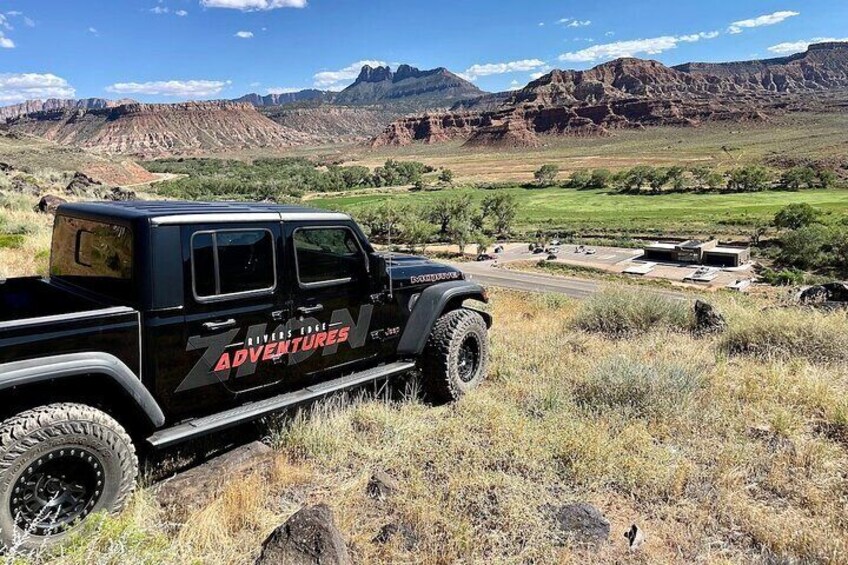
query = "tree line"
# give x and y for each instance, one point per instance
(276, 178)
(748, 178)
(460, 220)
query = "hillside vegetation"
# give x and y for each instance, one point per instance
(722, 448)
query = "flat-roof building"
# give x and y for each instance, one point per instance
(700, 252)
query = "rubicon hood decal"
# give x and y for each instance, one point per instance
(238, 352)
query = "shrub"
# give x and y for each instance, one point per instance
(624, 311)
(546, 174)
(789, 333)
(796, 216)
(640, 388)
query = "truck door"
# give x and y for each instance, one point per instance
(333, 315)
(234, 303)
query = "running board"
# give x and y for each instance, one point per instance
(256, 410)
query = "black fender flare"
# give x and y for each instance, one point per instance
(29, 371)
(430, 306)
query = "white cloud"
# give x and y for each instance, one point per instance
(253, 5)
(181, 13)
(244, 34)
(633, 47)
(799, 46)
(541, 24)
(93, 31)
(337, 79)
(177, 88)
(609, 33)
(27, 86)
(474, 71)
(515, 85)
(580, 23)
(5, 42)
(29, 22)
(765, 20)
(535, 76)
(160, 10)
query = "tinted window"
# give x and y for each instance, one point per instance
(94, 255)
(327, 254)
(232, 261)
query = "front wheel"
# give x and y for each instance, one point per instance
(59, 464)
(456, 357)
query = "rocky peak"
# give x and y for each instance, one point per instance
(406, 71)
(374, 74)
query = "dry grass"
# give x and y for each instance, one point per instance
(718, 458)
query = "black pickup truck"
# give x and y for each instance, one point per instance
(164, 321)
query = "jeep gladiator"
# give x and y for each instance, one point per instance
(161, 322)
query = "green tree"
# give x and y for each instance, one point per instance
(581, 178)
(600, 178)
(638, 176)
(795, 216)
(675, 176)
(419, 184)
(546, 175)
(806, 248)
(751, 178)
(501, 208)
(482, 241)
(797, 178)
(440, 214)
(417, 232)
(446, 176)
(656, 179)
(825, 178)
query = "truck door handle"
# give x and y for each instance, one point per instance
(212, 326)
(306, 310)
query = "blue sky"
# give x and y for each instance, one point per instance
(169, 50)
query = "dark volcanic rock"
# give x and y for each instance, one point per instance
(707, 318)
(833, 292)
(48, 204)
(582, 522)
(309, 537)
(382, 485)
(120, 194)
(81, 185)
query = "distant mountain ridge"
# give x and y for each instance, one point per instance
(629, 92)
(152, 130)
(32, 106)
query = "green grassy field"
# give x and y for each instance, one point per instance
(606, 210)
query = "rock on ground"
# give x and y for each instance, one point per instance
(707, 318)
(193, 489)
(309, 537)
(382, 485)
(582, 522)
(48, 204)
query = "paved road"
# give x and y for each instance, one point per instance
(488, 275)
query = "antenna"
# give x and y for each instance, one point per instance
(391, 279)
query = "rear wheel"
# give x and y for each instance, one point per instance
(59, 464)
(456, 357)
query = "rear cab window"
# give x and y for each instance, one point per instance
(232, 263)
(96, 256)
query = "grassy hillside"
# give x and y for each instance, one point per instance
(723, 145)
(568, 209)
(727, 448)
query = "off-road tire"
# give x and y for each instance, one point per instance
(443, 377)
(31, 437)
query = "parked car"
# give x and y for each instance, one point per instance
(162, 322)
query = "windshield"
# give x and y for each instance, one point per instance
(96, 256)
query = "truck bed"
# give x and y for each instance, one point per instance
(32, 297)
(39, 319)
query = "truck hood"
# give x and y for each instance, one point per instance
(411, 270)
